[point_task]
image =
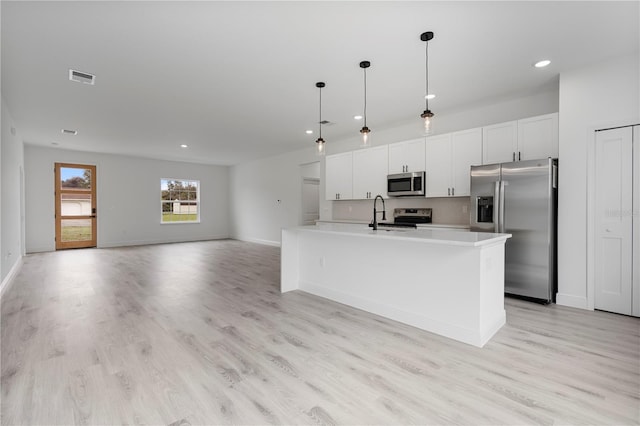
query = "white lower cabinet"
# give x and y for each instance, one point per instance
(370, 168)
(449, 158)
(339, 176)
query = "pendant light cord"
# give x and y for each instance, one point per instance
(365, 97)
(320, 113)
(426, 75)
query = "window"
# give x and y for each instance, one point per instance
(180, 201)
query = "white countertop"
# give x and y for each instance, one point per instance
(432, 236)
(419, 225)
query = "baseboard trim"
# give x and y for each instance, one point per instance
(8, 280)
(572, 301)
(260, 241)
(114, 244)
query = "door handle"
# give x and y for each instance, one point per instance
(502, 224)
(496, 199)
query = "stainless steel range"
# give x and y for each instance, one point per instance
(412, 216)
(408, 218)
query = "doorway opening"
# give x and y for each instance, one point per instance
(75, 198)
(310, 208)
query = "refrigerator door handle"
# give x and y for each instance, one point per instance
(501, 206)
(496, 208)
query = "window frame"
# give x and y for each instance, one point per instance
(163, 202)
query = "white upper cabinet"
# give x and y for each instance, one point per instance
(466, 152)
(500, 142)
(407, 156)
(339, 176)
(446, 159)
(438, 166)
(370, 168)
(526, 139)
(449, 158)
(538, 137)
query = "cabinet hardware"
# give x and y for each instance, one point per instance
(514, 156)
(453, 191)
(448, 191)
(518, 155)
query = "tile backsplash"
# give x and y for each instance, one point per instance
(446, 211)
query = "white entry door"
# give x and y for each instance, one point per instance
(614, 220)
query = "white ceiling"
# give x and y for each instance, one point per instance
(236, 80)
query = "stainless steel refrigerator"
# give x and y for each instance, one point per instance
(520, 198)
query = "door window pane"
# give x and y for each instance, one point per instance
(72, 178)
(75, 204)
(75, 230)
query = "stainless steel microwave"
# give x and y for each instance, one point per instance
(404, 184)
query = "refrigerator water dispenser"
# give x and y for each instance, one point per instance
(484, 212)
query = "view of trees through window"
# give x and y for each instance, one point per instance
(180, 200)
(71, 179)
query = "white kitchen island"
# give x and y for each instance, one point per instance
(446, 282)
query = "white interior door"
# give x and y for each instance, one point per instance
(636, 222)
(614, 220)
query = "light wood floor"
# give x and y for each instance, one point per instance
(198, 333)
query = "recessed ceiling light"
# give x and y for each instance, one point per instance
(542, 64)
(69, 132)
(357, 117)
(430, 96)
(184, 145)
(309, 132)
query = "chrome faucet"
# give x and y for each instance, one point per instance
(375, 213)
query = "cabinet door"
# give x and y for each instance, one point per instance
(466, 151)
(406, 156)
(370, 168)
(338, 176)
(538, 137)
(499, 142)
(438, 166)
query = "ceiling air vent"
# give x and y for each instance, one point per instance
(69, 132)
(82, 77)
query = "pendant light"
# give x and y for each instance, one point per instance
(365, 131)
(320, 141)
(427, 115)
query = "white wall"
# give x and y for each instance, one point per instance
(11, 163)
(127, 181)
(256, 186)
(603, 95)
(266, 196)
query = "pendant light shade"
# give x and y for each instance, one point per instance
(427, 115)
(365, 132)
(320, 142)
